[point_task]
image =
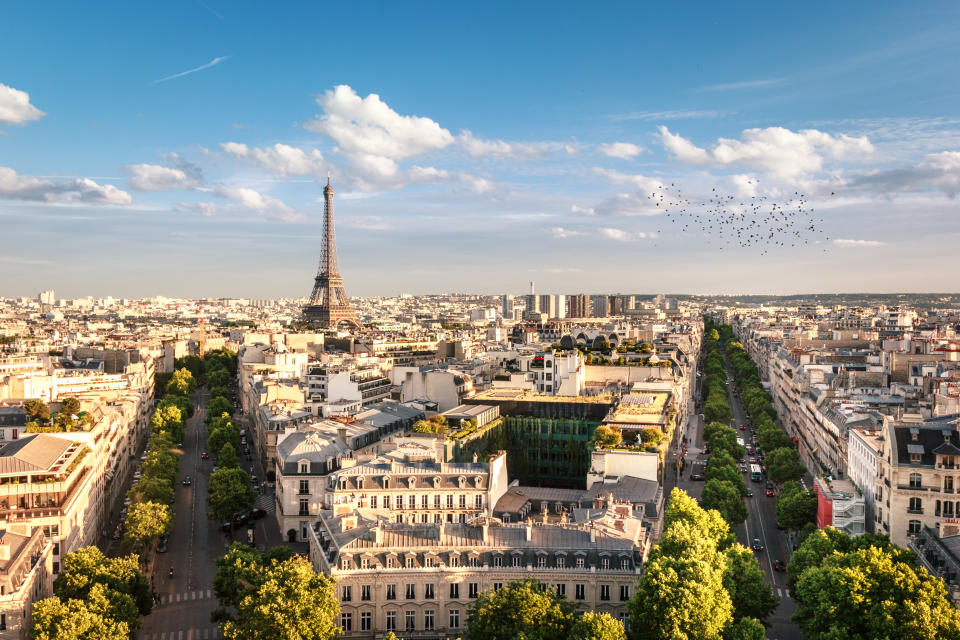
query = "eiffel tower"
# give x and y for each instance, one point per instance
(329, 305)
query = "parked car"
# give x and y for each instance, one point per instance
(240, 519)
(778, 565)
(162, 547)
(756, 546)
(187, 481)
(226, 527)
(258, 513)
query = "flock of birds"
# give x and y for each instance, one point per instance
(758, 221)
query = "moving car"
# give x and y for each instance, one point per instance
(204, 456)
(256, 513)
(697, 476)
(778, 565)
(749, 493)
(771, 493)
(187, 481)
(163, 547)
(756, 546)
(743, 427)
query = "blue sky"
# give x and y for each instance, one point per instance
(180, 148)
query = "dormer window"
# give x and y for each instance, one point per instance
(360, 482)
(436, 482)
(411, 482)
(461, 481)
(304, 466)
(477, 481)
(386, 482)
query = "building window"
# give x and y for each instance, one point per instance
(562, 589)
(428, 591)
(913, 528)
(424, 502)
(391, 592)
(412, 502)
(463, 501)
(604, 563)
(411, 591)
(304, 486)
(346, 621)
(624, 592)
(478, 501)
(604, 592)
(391, 620)
(373, 502)
(304, 507)
(947, 509)
(345, 563)
(365, 621)
(497, 586)
(580, 592)
(474, 589)
(474, 561)
(580, 562)
(410, 562)
(624, 563)
(436, 501)
(916, 505)
(541, 562)
(454, 560)
(454, 590)
(428, 617)
(365, 592)
(411, 620)
(517, 560)
(915, 481)
(561, 562)
(304, 467)
(454, 618)
(346, 593)
(364, 563)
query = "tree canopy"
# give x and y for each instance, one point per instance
(520, 610)
(146, 521)
(784, 464)
(273, 596)
(228, 493)
(181, 383)
(72, 619)
(597, 626)
(605, 436)
(217, 407)
(725, 497)
(796, 506)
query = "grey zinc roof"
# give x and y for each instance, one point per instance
(32, 453)
(312, 445)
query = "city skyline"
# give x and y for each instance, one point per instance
(472, 153)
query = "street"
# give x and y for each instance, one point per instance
(761, 522)
(186, 599)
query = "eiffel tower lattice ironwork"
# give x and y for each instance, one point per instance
(329, 305)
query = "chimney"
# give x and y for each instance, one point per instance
(441, 530)
(475, 456)
(378, 534)
(528, 530)
(610, 499)
(593, 532)
(485, 531)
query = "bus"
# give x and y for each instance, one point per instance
(755, 474)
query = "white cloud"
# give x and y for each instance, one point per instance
(745, 84)
(624, 150)
(622, 236)
(251, 199)
(841, 242)
(154, 177)
(279, 159)
(368, 126)
(482, 148)
(476, 184)
(206, 209)
(17, 187)
(212, 63)
(784, 153)
(583, 211)
(628, 205)
(937, 170)
(563, 233)
(640, 181)
(15, 107)
(665, 115)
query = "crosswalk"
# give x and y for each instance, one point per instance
(206, 633)
(267, 503)
(185, 596)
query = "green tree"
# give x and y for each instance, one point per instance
(745, 629)
(267, 597)
(146, 521)
(770, 438)
(519, 610)
(597, 626)
(229, 492)
(710, 525)
(71, 619)
(867, 594)
(217, 407)
(726, 441)
(167, 418)
(181, 383)
(649, 435)
(784, 464)
(713, 335)
(605, 436)
(181, 402)
(218, 378)
(796, 506)
(223, 435)
(70, 406)
(726, 498)
(227, 457)
(152, 489)
(37, 411)
(680, 598)
(752, 597)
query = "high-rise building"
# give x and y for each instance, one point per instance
(579, 306)
(600, 306)
(506, 301)
(329, 305)
(614, 305)
(46, 297)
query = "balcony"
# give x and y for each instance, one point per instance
(915, 511)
